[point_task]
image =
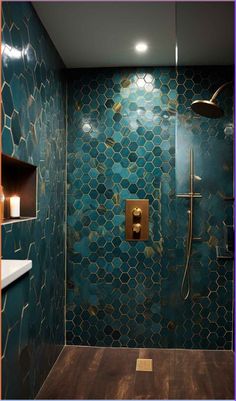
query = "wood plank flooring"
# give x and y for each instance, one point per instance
(109, 373)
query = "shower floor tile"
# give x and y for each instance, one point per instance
(110, 373)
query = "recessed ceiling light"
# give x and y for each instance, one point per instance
(141, 47)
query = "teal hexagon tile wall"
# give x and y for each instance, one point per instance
(33, 122)
(121, 140)
(129, 134)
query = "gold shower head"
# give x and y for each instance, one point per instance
(209, 108)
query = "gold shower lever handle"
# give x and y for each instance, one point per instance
(136, 228)
(137, 212)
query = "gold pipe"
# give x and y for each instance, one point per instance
(214, 96)
(190, 195)
(190, 230)
(191, 171)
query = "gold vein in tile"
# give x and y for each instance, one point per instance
(143, 365)
(117, 107)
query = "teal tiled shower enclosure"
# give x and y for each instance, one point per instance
(129, 135)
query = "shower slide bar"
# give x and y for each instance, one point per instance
(186, 285)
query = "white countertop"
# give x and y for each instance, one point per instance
(13, 269)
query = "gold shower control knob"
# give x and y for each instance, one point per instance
(136, 228)
(137, 212)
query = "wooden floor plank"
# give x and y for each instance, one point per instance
(110, 373)
(144, 381)
(85, 379)
(115, 378)
(202, 375)
(163, 372)
(155, 384)
(72, 375)
(221, 384)
(190, 376)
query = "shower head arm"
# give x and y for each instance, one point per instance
(220, 89)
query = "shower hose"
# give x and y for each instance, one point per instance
(185, 286)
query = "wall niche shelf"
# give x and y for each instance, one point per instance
(19, 178)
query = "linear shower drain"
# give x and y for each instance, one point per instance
(143, 365)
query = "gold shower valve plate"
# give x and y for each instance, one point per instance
(137, 219)
(144, 365)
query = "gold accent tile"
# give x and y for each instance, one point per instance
(125, 83)
(109, 142)
(92, 310)
(144, 365)
(117, 107)
(78, 106)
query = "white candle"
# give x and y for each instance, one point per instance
(2, 200)
(15, 206)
